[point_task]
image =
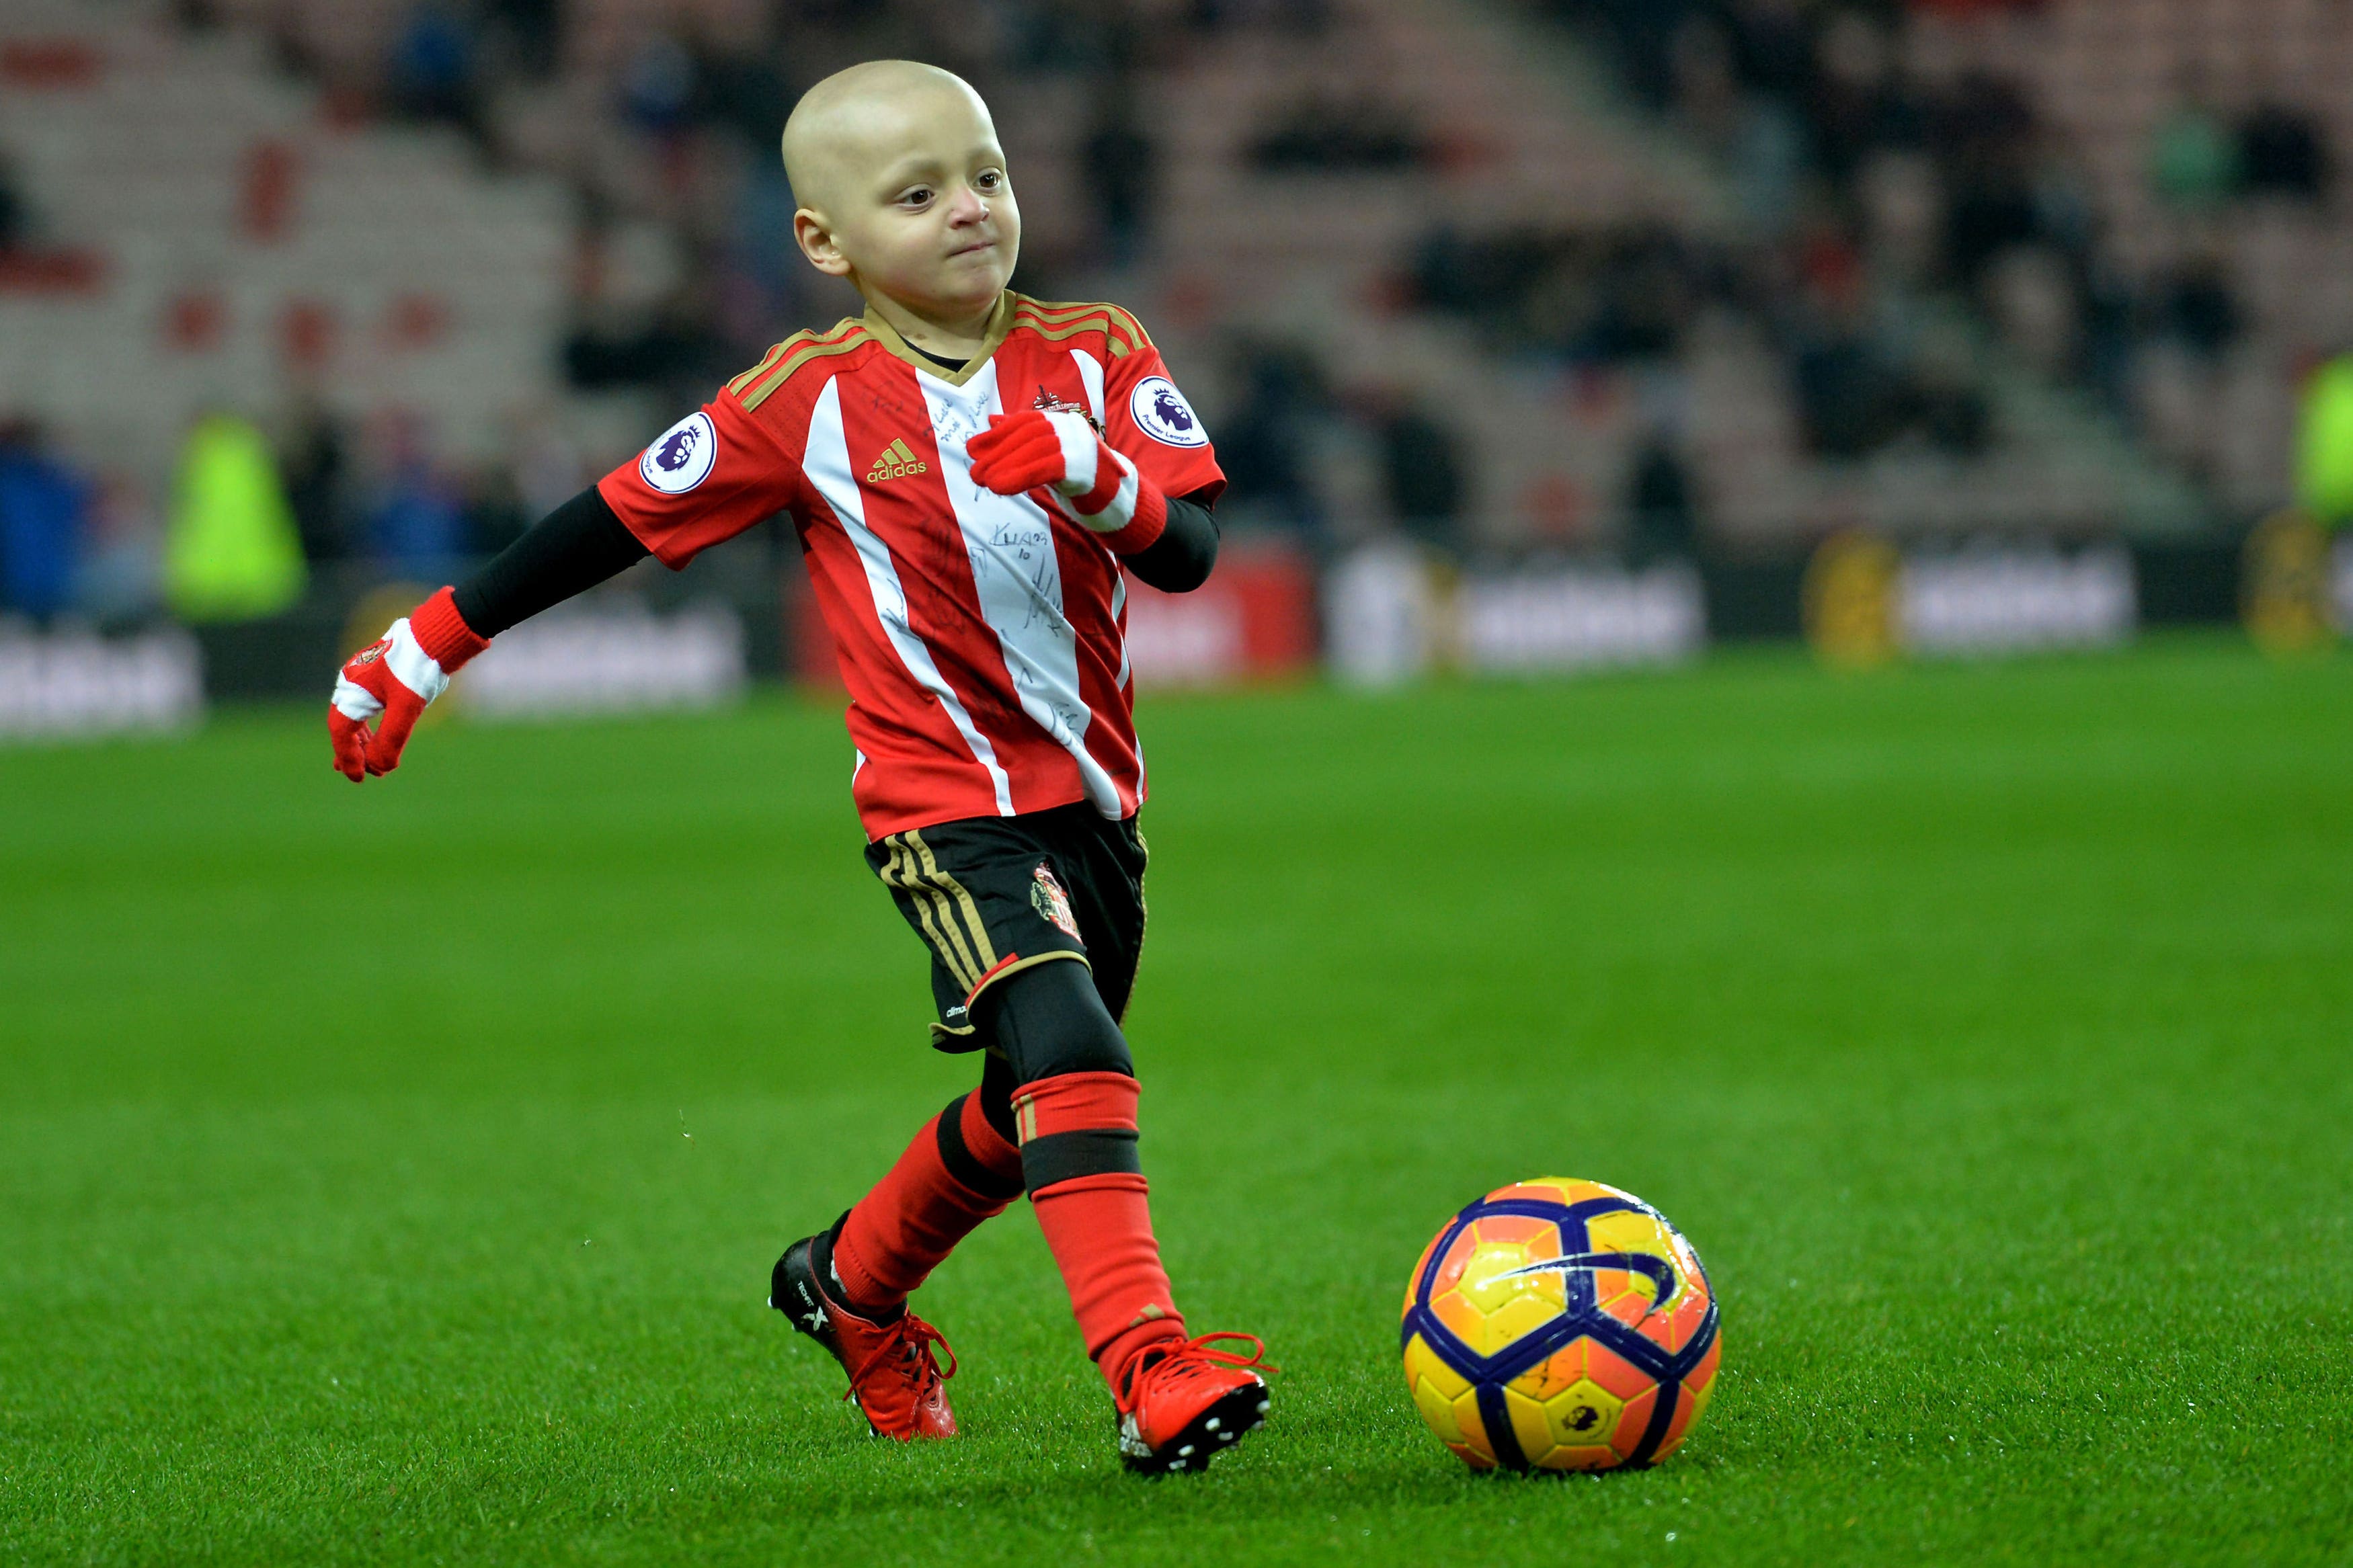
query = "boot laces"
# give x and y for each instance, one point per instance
(1192, 1360)
(908, 1345)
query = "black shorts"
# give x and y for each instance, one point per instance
(992, 896)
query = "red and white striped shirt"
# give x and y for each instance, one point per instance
(983, 637)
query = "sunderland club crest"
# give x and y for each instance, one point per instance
(1052, 904)
(1050, 403)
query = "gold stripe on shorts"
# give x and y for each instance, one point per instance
(985, 949)
(901, 873)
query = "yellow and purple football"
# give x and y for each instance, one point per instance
(1560, 1325)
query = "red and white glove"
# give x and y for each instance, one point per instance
(396, 676)
(1058, 452)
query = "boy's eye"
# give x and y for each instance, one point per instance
(916, 197)
(990, 179)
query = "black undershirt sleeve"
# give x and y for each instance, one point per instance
(1179, 561)
(570, 551)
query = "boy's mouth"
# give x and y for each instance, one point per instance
(975, 248)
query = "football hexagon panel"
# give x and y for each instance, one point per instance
(1528, 1426)
(1583, 1415)
(1449, 1404)
(1477, 1451)
(1583, 1360)
(1424, 1365)
(1480, 1291)
(1437, 1411)
(1574, 1430)
(1634, 1423)
(1580, 1359)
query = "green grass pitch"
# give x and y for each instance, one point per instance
(393, 1173)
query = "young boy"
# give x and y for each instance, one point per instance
(972, 473)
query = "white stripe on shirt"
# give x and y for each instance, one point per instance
(1017, 574)
(827, 465)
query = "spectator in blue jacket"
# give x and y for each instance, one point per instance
(44, 506)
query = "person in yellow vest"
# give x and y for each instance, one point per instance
(232, 553)
(2288, 574)
(2323, 459)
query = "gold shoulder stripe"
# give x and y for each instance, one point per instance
(745, 380)
(823, 347)
(1037, 324)
(804, 336)
(1063, 325)
(1120, 317)
(1137, 336)
(1098, 320)
(1102, 324)
(768, 360)
(1121, 329)
(812, 338)
(1055, 307)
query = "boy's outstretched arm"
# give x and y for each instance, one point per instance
(573, 547)
(577, 546)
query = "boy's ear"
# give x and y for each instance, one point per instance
(817, 242)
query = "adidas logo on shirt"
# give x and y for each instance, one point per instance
(897, 462)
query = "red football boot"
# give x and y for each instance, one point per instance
(893, 1375)
(1182, 1407)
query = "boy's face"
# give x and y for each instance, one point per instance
(904, 191)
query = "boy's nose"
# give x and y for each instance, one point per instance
(967, 205)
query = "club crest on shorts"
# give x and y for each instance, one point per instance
(681, 457)
(1052, 904)
(1162, 413)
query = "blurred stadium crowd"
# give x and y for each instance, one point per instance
(301, 297)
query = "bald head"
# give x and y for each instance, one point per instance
(848, 129)
(900, 188)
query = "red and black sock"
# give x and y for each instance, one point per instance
(1078, 1141)
(959, 1171)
